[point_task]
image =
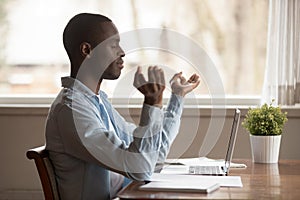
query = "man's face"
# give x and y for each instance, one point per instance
(110, 53)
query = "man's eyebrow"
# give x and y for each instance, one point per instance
(114, 39)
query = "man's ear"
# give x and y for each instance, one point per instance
(85, 49)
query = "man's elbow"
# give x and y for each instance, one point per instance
(140, 176)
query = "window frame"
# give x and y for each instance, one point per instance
(35, 100)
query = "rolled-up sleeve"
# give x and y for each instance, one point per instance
(171, 125)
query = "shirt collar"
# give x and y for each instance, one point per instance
(75, 84)
(102, 94)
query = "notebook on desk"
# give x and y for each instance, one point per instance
(177, 186)
(224, 169)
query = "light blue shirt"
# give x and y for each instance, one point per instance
(83, 150)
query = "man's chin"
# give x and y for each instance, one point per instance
(112, 76)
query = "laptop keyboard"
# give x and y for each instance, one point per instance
(205, 170)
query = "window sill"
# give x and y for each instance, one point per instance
(203, 100)
(39, 105)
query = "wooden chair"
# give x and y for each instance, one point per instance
(45, 170)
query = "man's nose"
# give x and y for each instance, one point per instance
(121, 52)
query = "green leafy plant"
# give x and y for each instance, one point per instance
(265, 120)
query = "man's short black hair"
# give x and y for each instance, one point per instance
(83, 27)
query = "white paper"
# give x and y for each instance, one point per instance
(223, 181)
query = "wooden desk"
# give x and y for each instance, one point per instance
(260, 181)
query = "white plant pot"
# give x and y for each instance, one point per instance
(265, 149)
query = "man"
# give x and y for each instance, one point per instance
(86, 137)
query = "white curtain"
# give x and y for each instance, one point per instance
(282, 76)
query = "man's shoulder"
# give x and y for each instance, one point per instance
(69, 95)
(68, 99)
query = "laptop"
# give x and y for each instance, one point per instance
(220, 170)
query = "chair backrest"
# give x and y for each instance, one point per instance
(45, 170)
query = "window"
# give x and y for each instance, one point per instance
(232, 33)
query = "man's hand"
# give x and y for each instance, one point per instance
(181, 86)
(153, 88)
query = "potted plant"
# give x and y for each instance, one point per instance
(265, 125)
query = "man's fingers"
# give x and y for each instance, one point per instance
(175, 77)
(161, 77)
(156, 75)
(181, 86)
(182, 80)
(196, 83)
(151, 74)
(139, 79)
(139, 70)
(153, 88)
(194, 78)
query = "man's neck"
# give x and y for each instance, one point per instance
(91, 84)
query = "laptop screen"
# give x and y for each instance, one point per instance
(232, 138)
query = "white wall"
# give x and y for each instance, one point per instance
(23, 128)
